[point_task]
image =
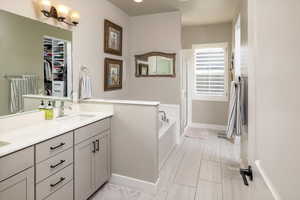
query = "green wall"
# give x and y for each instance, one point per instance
(21, 49)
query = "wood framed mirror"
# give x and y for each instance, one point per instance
(155, 64)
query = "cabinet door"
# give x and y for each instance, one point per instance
(101, 160)
(84, 166)
(18, 187)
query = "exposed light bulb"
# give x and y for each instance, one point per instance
(62, 12)
(45, 5)
(75, 17)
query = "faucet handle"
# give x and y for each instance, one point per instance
(70, 107)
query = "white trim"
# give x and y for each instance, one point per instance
(144, 186)
(225, 97)
(115, 101)
(170, 105)
(53, 98)
(208, 126)
(267, 180)
(210, 98)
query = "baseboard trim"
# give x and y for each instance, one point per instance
(209, 126)
(180, 138)
(144, 186)
(267, 180)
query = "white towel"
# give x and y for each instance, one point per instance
(235, 117)
(85, 87)
(28, 84)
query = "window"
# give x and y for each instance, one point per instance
(210, 80)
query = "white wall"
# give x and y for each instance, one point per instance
(158, 32)
(87, 37)
(208, 112)
(274, 47)
(134, 148)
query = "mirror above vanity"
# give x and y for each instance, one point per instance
(35, 60)
(155, 64)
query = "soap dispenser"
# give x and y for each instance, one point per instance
(42, 106)
(49, 111)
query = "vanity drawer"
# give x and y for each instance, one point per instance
(65, 193)
(53, 164)
(54, 183)
(16, 162)
(91, 130)
(54, 146)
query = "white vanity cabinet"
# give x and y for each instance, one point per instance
(92, 158)
(45, 171)
(18, 187)
(17, 175)
(54, 168)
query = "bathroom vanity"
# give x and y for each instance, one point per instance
(63, 159)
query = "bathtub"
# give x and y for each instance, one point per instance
(167, 140)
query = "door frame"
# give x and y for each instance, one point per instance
(187, 60)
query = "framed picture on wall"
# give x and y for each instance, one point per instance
(113, 72)
(113, 38)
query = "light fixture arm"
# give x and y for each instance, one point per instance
(54, 14)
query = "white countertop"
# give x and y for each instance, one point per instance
(114, 101)
(30, 135)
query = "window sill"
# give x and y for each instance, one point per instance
(210, 98)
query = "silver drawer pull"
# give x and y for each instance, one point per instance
(58, 146)
(60, 180)
(54, 166)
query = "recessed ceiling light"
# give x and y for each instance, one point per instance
(138, 1)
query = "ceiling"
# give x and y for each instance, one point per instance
(194, 12)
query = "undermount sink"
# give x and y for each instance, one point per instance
(79, 116)
(2, 144)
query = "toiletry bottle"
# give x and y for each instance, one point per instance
(42, 106)
(49, 112)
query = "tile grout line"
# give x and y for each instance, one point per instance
(221, 166)
(177, 168)
(198, 175)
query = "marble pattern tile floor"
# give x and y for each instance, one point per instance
(198, 169)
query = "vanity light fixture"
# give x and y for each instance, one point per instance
(138, 1)
(62, 13)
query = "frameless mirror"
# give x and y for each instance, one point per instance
(155, 64)
(35, 59)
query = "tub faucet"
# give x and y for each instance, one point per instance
(164, 116)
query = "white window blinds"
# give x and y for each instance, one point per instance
(210, 72)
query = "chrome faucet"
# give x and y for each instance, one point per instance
(61, 109)
(164, 116)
